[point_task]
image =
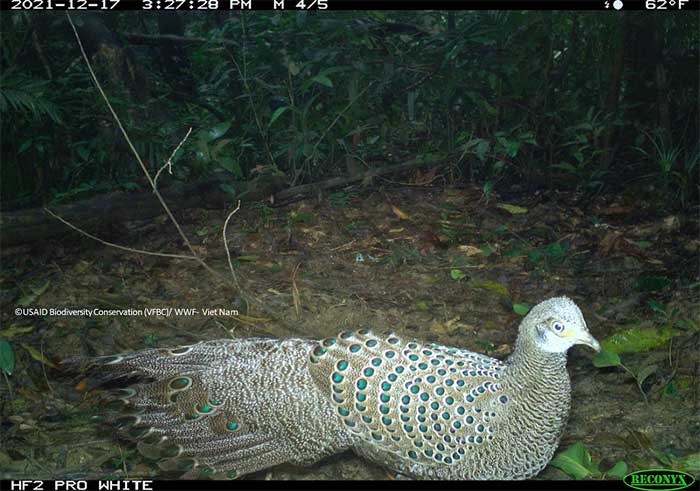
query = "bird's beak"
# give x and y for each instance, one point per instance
(589, 340)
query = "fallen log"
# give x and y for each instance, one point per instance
(26, 226)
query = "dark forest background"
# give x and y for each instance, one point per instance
(600, 102)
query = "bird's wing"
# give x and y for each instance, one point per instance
(424, 403)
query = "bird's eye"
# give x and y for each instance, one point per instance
(558, 327)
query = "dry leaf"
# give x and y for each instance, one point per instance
(610, 243)
(81, 386)
(421, 179)
(399, 214)
(469, 250)
(614, 241)
(671, 224)
(448, 327)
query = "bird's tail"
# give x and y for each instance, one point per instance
(198, 409)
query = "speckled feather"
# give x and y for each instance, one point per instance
(230, 407)
(237, 406)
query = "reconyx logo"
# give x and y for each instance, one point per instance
(658, 480)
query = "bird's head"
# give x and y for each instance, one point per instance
(557, 324)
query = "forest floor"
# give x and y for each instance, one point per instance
(436, 263)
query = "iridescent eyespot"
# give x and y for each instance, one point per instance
(558, 327)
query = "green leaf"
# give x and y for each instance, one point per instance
(690, 463)
(566, 167)
(457, 274)
(575, 461)
(521, 308)
(13, 330)
(278, 112)
(656, 307)
(7, 358)
(83, 153)
(605, 358)
(535, 255)
(228, 189)
(251, 258)
(499, 165)
(216, 131)
(618, 470)
(637, 339)
(482, 149)
(487, 250)
(512, 209)
(491, 286)
(323, 80)
(512, 147)
(30, 298)
(556, 250)
(230, 164)
(651, 283)
(643, 244)
(422, 305)
(36, 354)
(662, 457)
(301, 217)
(513, 252)
(25, 146)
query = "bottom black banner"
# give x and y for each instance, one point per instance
(159, 485)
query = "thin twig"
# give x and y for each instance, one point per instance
(296, 297)
(43, 367)
(639, 385)
(226, 329)
(117, 246)
(346, 245)
(9, 385)
(228, 253)
(169, 163)
(152, 182)
(195, 256)
(121, 454)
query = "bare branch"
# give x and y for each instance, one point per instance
(169, 162)
(228, 253)
(138, 157)
(117, 246)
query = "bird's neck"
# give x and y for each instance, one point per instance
(530, 365)
(539, 397)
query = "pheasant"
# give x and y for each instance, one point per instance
(226, 408)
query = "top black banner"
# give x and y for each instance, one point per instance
(296, 5)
